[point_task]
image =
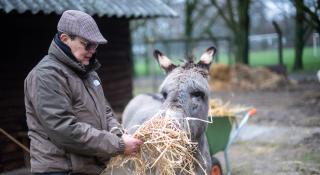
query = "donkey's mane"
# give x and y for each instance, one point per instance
(199, 67)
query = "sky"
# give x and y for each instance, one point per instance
(276, 9)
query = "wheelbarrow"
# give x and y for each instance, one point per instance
(221, 133)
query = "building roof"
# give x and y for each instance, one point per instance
(109, 8)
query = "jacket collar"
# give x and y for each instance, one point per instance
(80, 69)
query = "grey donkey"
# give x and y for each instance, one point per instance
(184, 94)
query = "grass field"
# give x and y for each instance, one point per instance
(257, 58)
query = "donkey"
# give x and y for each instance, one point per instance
(183, 94)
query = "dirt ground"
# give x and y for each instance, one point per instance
(284, 136)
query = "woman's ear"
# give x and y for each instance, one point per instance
(64, 38)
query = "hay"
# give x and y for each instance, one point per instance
(220, 72)
(219, 109)
(167, 149)
(243, 77)
(220, 77)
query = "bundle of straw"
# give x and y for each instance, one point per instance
(219, 109)
(167, 150)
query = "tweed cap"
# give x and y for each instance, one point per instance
(80, 24)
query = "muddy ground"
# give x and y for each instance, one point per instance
(284, 136)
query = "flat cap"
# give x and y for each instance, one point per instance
(80, 24)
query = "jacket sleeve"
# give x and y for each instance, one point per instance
(112, 122)
(53, 106)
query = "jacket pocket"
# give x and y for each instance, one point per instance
(85, 164)
(45, 156)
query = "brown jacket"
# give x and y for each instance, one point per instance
(68, 117)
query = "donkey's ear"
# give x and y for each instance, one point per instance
(207, 57)
(165, 62)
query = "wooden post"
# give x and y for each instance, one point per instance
(278, 30)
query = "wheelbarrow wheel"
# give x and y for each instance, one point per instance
(216, 167)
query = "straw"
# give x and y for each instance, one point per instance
(167, 150)
(219, 109)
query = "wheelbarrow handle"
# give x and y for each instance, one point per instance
(252, 112)
(233, 136)
(246, 117)
(244, 120)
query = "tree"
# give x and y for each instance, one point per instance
(299, 32)
(194, 10)
(312, 14)
(306, 19)
(190, 6)
(238, 21)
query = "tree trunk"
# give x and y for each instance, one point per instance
(242, 36)
(189, 9)
(299, 42)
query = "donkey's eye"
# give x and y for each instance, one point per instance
(164, 94)
(197, 94)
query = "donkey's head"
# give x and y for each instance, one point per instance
(186, 91)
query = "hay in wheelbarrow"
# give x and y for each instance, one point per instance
(167, 149)
(219, 109)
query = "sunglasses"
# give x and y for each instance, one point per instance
(88, 45)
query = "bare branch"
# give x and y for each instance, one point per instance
(207, 29)
(221, 13)
(313, 17)
(230, 11)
